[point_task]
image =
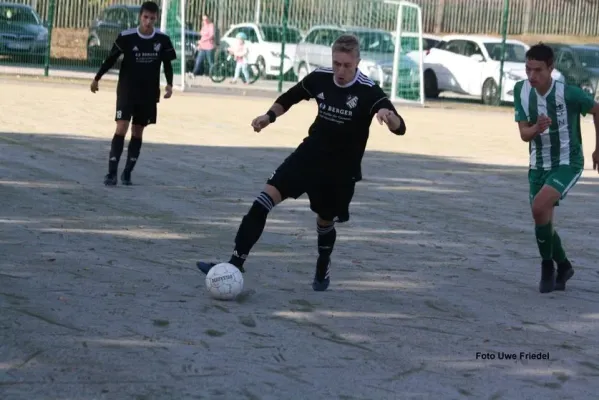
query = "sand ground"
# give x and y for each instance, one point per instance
(100, 298)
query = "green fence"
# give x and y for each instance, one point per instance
(54, 35)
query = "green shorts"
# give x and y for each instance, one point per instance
(562, 179)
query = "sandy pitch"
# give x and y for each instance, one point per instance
(100, 298)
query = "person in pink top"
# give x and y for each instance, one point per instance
(205, 46)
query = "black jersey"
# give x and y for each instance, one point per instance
(139, 75)
(337, 138)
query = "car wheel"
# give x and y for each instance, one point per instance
(302, 72)
(431, 87)
(490, 93)
(262, 66)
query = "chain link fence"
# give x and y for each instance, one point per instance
(38, 36)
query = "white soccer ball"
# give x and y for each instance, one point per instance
(224, 281)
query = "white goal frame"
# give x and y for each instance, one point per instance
(179, 79)
(397, 54)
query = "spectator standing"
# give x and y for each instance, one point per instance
(205, 47)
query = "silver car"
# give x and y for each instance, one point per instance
(377, 50)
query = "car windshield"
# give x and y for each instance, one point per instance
(376, 42)
(274, 33)
(513, 52)
(588, 57)
(18, 14)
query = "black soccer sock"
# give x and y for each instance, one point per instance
(133, 153)
(251, 228)
(116, 150)
(326, 242)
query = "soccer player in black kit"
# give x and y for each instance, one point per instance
(144, 49)
(327, 164)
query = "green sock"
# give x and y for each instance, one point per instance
(544, 234)
(559, 255)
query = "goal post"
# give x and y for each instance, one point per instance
(407, 82)
(173, 23)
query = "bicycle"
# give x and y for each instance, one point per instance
(225, 68)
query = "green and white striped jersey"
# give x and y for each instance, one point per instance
(561, 143)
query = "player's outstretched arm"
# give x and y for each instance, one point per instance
(392, 119)
(387, 114)
(114, 54)
(300, 91)
(283, 103)
(385, 111)
(262, 121)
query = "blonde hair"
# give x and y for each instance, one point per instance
(347, 43)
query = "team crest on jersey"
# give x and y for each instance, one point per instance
(352, 101)
(156, 47)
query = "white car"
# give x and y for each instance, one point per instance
(265, 45)
(470, 65)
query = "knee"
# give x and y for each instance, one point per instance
(121, 128)
(261, 206)
(541, 212)
(326, 230)
(137, 131)
(324, 222)
(274, 194)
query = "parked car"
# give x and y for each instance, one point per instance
(377, 52)
(115, 19)
(409, 42)
(470, 64)
(579, 64)
(22, 32)
(265, 45)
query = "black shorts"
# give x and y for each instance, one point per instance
(139, 113)
(329, 198)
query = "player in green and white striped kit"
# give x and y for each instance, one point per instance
(548, 115)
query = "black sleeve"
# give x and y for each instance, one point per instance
(115, 52)
(168, 51)
(301, 91)
(380, 101)
(168, 72)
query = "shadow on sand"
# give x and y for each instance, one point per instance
(100, 297)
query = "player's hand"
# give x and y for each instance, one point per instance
(260, 122)
(94, 86)
(383, 116)
(168, 91)
(543, 122)
(595, 158)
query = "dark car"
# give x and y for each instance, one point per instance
(579, 64)
(22, 32)
(117, 18)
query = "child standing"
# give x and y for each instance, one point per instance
(240, 53)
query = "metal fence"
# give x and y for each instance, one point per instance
(68, 22)
(537, 17)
